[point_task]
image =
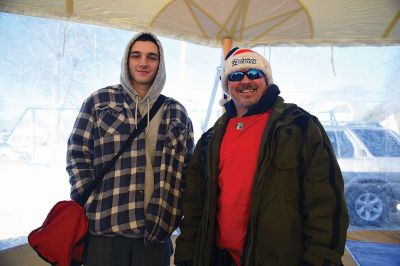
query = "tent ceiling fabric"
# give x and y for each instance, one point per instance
(246, 22)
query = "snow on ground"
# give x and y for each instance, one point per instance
(27, 193)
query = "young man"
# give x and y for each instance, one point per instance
(137, 206)
(263, 186)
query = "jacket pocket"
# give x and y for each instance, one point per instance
(176, 136)
(112, 120)
(287, 149)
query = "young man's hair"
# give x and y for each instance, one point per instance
(145, 37)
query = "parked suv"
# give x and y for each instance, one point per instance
(369, 157)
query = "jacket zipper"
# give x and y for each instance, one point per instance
(250, 235)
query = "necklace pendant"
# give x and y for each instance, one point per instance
(239, 126)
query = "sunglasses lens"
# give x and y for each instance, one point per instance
(236, 76)
(254, 74)
(251, 74)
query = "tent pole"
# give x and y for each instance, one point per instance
(226, 47)
(69, 7)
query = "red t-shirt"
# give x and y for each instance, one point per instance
(238, 160)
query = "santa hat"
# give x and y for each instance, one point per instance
(241, 58)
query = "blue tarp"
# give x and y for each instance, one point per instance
(374, 254)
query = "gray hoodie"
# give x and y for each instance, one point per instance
(158, 83)
(143, 106)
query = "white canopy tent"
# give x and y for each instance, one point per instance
(227, 23)
(246, 22)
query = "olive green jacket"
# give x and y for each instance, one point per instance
(298, 211)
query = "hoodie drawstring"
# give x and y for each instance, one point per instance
(148, 116)
(136, 109)
(148, 113)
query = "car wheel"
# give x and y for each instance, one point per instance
(368, 204)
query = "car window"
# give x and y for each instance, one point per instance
(380, 143)
(341, 144)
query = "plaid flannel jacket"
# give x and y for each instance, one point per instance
(104, 122)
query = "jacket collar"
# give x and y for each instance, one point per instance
(264, 104)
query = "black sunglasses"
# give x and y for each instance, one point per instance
(251, 74)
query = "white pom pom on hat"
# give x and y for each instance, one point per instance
(242, 58)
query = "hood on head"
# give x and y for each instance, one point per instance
(159, 81)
